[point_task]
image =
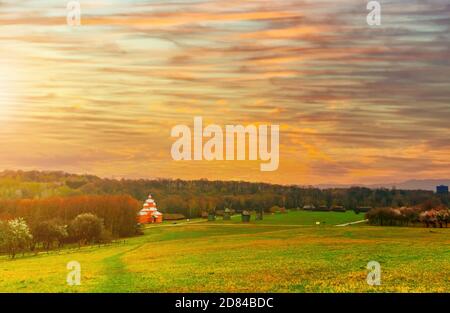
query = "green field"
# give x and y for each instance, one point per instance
(282, 253)
(302, 218)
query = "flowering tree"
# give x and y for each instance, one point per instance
(443, 217)
(15, 236)
(439, 216)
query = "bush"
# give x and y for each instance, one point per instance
(338, 208)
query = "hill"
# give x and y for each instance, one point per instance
(413, 184)
(272, 255)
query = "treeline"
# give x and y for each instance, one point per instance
(407, 216)
(16, 236)
(191, 198)
(118, 212)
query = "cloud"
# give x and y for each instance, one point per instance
(351, 99)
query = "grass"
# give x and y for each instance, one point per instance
(282, 253)
(302, 218)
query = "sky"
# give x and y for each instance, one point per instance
(356, 104)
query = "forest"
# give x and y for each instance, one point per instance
(191, 198)
(39, 209)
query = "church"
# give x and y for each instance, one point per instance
(149, 213)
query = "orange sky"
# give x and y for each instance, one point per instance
(355, 104)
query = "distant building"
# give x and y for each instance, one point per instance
(323, 208)
(442, 190)
(149, 213)
(363, 209)
(338, 208)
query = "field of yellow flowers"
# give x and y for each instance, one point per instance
(274, 255)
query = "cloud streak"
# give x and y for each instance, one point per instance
(356, 104)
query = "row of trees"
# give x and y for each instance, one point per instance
(192, 204)
(404, 216)
(118, 212)
(193, 197)
(17, 237)
(435, 217)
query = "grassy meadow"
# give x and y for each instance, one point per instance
(282, 253)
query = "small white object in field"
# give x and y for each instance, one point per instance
(187, 220)
(317, 223)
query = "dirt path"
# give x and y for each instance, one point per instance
(351, 223)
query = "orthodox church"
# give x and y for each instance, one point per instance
(149, 213)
